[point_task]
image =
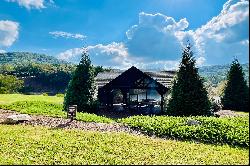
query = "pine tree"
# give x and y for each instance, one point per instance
(188, 95)
(81, 88)
(236, 93)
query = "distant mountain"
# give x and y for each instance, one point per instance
(27, 57)
(214, 73)
(217, 73)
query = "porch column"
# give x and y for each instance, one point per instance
(162, 102)
(124, 95)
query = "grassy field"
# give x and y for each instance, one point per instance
(43, 105)
(40, 145)
(232, 131)
(10, 98)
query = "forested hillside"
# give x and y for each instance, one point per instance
(27, 57)
(42, 73)
(217, 73)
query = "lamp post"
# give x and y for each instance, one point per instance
(72, 112)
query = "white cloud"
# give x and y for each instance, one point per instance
(72, 55)
(156, 41)
(29, 4)
(245, 42)
(220, 39)
(156, 37)
(200, 61)
(158, 65)
(67, 35)
(2, 51)
(114, 54)
(159, 38)
(220, 28)
(8, 32)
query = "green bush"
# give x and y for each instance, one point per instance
(233, 131)
(10, 84)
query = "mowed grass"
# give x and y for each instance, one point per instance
(11, 98)
(44, 105)
(40, 145)
(233, 131)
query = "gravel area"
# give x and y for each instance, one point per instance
(228, 113)
(56, 123)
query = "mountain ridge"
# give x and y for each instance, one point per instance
(27, 57)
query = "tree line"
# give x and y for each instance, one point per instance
(36, 77)
(189, 96)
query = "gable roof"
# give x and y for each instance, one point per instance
(163, 77)
(131, 78)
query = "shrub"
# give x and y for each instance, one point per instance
(233, 131)
(10, 84)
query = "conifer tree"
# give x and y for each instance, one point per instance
(81, 88)
(188, 95)
(236, 93)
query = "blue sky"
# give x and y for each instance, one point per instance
(145, 33)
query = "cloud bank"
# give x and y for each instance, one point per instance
(32, 4)
(8, 32)
(157, 40)
(67, 35)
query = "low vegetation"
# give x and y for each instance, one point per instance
(11, 98)
(10, 84)
(50, 109)
(40, 145)
(233, 131)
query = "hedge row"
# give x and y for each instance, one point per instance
(232, 131)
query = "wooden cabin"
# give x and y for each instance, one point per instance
(134, 90)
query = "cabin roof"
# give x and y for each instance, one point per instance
(128, 76)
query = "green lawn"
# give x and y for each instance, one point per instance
(10, 98)
(233, 131)
(40, 145)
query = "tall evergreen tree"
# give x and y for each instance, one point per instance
(188, 95)
(236, 93)
(81, 88)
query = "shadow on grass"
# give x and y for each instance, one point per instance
(116, 114)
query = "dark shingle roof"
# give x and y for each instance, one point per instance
(163, 77)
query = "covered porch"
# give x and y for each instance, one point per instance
(135, 91)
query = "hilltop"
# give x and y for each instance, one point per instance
(27, 57)
(218, 73)
(43, 73)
